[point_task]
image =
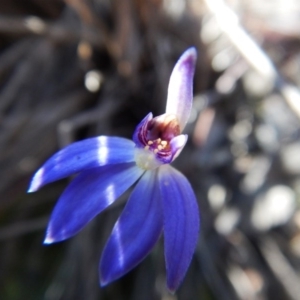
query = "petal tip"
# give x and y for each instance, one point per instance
(150, 115)
(189, 56)
(103, 282)
(31, 189)
(37, 181)
(173, 284)
(48, 240)
(171, 290)
(192, 51)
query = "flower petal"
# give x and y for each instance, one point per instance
(181, 223)
(87, 195)
(139, 133)
(180, 91)
(86, 154)
(177, 144)
(136, 231)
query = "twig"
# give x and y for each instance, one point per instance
(252, 52)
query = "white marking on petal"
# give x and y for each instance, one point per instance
(36, 181)
(48, 240)
(110, 194)
(119, 244)
(49, 236)
(102, 150)
(146, 159)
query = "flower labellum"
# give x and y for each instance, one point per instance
(161, 202)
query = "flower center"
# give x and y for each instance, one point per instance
(163, 127)
(157, 145)
(155, 136)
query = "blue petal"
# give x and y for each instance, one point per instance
(86, 154)
(136, 231)
(88, 194)
(181, 223)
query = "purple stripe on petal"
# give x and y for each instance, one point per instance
(87, 195)
(181, 223)
(136, 231)
(180, 90)
(86, 154)
(141, 131)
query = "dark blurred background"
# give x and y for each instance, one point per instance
(79, 68)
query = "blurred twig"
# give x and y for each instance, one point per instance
(252, 52)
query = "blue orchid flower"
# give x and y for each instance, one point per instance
(161, 202)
